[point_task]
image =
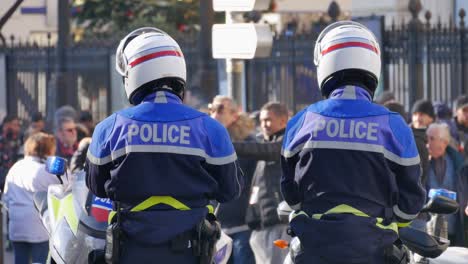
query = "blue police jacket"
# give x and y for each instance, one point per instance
(347, 150)
(162, 149)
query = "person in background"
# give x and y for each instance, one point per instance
(27, 176)
(444, 115)
(81, 132)
(65, 111)
(37, 124)
(265, 194)
(78, 159)
(66, 134)
(231, 215)
(86, 119)
(422, 114)
(10, 143)
(385, 97)
(461, 120)
(446, 172)
(397, 108)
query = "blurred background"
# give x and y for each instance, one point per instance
(61, 52)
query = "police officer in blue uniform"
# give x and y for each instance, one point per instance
(160, 162)
(350, 167)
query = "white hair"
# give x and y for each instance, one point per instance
(442, 128)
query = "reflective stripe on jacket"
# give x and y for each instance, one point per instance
(347, 150)
(162, 148)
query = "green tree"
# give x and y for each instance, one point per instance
(108, 17)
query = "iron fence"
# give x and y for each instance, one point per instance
(419, 61)
(424, 61)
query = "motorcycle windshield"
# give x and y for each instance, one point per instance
(93, 211)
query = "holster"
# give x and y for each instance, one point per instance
(396, 254)
(113, 239)
(112, 243)
(207, 233)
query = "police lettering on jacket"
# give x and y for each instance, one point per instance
(159, 133)
(345, 129)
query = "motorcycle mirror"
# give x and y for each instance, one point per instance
(56, 165)
(441, 205)
(422, 243)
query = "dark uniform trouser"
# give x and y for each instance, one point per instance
(340, 239)
(133, 252)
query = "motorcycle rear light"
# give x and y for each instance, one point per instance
(280, 243)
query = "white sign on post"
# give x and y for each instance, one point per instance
(240, 5)
(241, 41)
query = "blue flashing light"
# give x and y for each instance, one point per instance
(56, 165)
(442, 192)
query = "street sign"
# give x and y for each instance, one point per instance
(240, 5)
(241, 41)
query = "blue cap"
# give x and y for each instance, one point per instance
(442, 192)
(56, 165)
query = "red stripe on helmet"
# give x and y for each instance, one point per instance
(350, 45)
(155, 55)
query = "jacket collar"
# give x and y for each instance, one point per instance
(351, 92)
(275, 136)
(162, 97)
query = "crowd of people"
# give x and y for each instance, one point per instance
(251, 220)
(249, 163)
(24, 150)
(441, 136)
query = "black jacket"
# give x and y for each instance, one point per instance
(421, 141)
(265, 190)
(231, 215)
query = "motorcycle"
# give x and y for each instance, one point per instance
(435, 250)
(76, 220)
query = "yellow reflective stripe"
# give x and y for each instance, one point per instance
(111, 215)
(297, 214)
(67, 210)
(346, 209)
(55, 206)
(392, 226)
(317, 216)
(154, 200)
(210, 209)
(403, 224)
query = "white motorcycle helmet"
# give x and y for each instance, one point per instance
(346, 52)
(149, 59)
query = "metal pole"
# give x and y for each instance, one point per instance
(208, 85)
(61, 88)
(463, 52)
(235, 73)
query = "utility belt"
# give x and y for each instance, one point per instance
(392, 252)
(383, 223)
(202, 238)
